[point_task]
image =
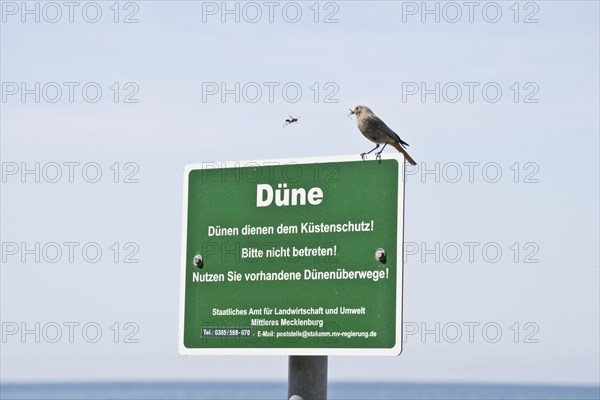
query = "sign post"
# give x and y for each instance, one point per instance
(307, 377)
(295, 257)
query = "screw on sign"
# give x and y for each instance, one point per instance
(198, 262)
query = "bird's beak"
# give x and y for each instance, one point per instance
(351, 112)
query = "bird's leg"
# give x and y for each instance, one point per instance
(378, 155)
(363, 155)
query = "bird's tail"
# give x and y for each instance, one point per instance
(408, 158)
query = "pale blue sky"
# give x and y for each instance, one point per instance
(368, 57)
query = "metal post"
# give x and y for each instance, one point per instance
(307, 378)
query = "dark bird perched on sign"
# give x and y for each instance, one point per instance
(374, 129)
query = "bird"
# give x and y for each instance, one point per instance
(290, 120)
(374, 129)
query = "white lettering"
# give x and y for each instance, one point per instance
(284, 196)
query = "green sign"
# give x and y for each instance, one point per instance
(296, 256)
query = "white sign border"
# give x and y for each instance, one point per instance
(393, 351)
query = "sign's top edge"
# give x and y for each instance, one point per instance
(282, 161)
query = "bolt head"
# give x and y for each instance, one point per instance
(198, 262)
